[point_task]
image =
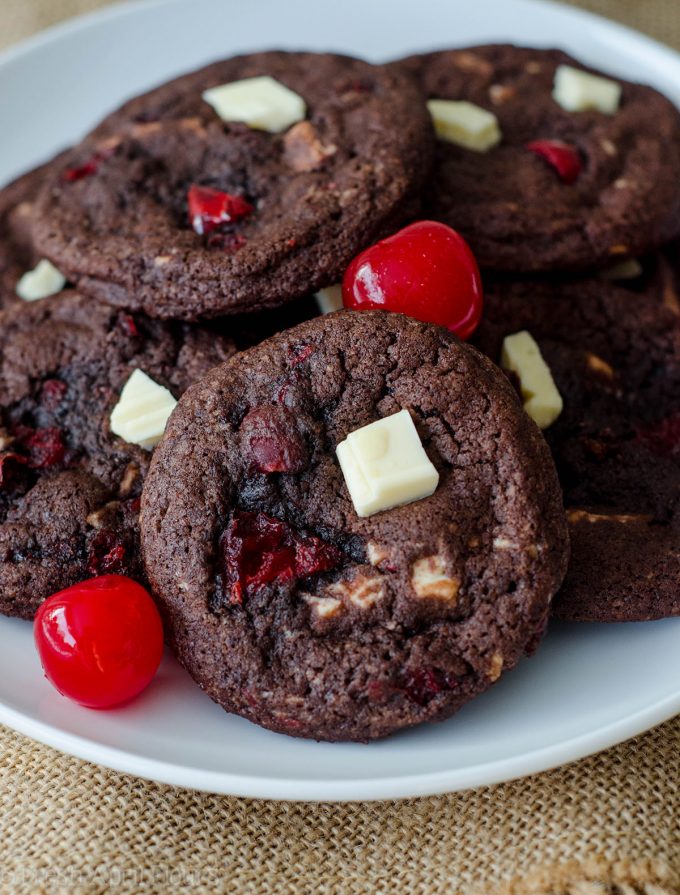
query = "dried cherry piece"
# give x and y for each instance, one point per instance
(564, 159)
(299, 353)
(127, 321)
(662, 438)
(91, 166)
(256, 549)
(272, 441)
(106, 554)
(45, 447)
(423, 684)
(210, 208)
(53, 393)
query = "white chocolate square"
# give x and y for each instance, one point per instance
(41, 282)
(262, 103)
(523, 357)
(579, 91)
(142, 411)
(464, 124)
(385, 465)
(329, 299)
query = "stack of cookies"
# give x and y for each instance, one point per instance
(349, 521)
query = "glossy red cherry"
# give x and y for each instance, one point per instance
(209, 208)
(560, 156)
(100, 641)
(426, 271)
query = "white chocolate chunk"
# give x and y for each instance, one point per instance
(522, 356)
(142, 411)
(262, 103)
(464, 124)
(329, 299)
(579, 91)
(385, 465)
(41, 282)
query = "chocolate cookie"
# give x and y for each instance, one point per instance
(69, 489)
(290, 609)
(129, 220)
(17, 253)
(515, 208)
(614, 352)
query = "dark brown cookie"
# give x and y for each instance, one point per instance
(69, 489)
(17, 253)
(511, 205)
(614, 352)
(116, 219)
(289, 609)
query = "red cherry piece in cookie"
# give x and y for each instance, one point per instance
(106, 554)
(90, 167)
(45, 447)
(272, 441)
(100, 641)
(423, 684)
(210, 208)
(563, 158)
(426, 271)
(53, 393)
(257, 549)
(662, 438)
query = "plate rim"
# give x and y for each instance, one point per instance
(401, 786)
(490, 773)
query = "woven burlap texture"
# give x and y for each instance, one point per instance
(609, 825)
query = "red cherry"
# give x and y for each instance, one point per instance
(426, 271)
(100, 641)
(560, 156)
(209, 208)
(257, 549)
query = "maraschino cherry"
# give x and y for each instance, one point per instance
(426, 271)
(100, 641)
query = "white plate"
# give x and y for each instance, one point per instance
(590, 686)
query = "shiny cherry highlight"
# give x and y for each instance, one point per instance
(426, 271)
(100, 641)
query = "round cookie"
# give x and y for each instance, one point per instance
(116, 219)
(69, 489)
(17, 253)
(291, 610)
(614, 352)
(512, 206)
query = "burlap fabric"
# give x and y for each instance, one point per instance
(609, 825)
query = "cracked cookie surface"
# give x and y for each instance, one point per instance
(69, 489)
(117, 223)
(289, 609)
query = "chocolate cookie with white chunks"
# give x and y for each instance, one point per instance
(83, 392)
(543, 164)
(352, 528)
(612, 348)
(18, 255)
(239, 187)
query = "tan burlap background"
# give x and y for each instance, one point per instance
(609, 825)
